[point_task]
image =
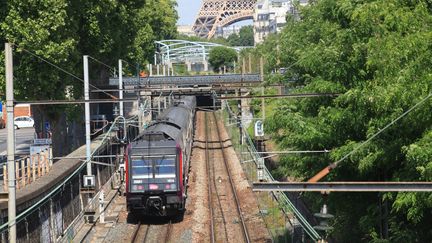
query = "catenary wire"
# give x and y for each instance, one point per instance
(65, 71)
(383, 129)
(100, 62)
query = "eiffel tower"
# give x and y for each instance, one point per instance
(221, 13)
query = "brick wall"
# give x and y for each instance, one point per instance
(20, 110)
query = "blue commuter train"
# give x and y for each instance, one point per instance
(157, 162)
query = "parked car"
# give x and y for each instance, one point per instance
(2, 123)
(23, 121)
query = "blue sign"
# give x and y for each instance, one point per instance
(1, 109)
(47, 126)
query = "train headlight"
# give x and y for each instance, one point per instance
(137, 187)
(153, 187)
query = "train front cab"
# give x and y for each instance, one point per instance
(154, 182)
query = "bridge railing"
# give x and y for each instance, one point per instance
(189, 80)
(254, 160)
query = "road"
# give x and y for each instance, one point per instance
(23, 139)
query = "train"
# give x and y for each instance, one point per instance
(157, 162)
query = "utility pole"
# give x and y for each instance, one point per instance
(10, 144)
(87, 114)
(250, 63)
(243, 66)
(120, 85)
(262, 88)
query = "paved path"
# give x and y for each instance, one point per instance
(23, 139)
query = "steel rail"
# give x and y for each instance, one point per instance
(282, 198)
(135, 233)
(146, 233)
(168, 232)
(215, 186)
(210, 201)
(357, 186)
(233, 189)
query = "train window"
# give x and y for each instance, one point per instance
(142, 169)
(165, 168)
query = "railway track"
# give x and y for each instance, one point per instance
(209, 180)
(226, 198)
(152, 233)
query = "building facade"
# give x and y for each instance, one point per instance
(185, 30)
(270, 16)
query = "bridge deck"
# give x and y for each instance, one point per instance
(189, 80)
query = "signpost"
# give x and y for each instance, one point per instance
(259, 129)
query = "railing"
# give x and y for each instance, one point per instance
(30, 168)
(284, 202)
(189, 80)
(61, 202)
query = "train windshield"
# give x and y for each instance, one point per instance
(165, 168)
(142, 168)
(154, 173)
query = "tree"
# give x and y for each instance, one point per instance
(244, 38)
(375, 54)
(61, 31)
(221, 56)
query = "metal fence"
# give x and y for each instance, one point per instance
(252, 160)
(53, 216)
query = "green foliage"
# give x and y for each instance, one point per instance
(61, 31)
(374, 53)
(222, 56)
(244, 38)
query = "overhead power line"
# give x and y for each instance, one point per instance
(385, 128)
(64, 102)
(104, 64)
(330, 167)
(65, 71)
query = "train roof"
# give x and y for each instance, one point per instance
(175, 116)
(167, 129)
(179, 115)
(171, 123)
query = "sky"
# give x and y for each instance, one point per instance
(188, 10)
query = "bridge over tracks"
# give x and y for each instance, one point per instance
(203, 80)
